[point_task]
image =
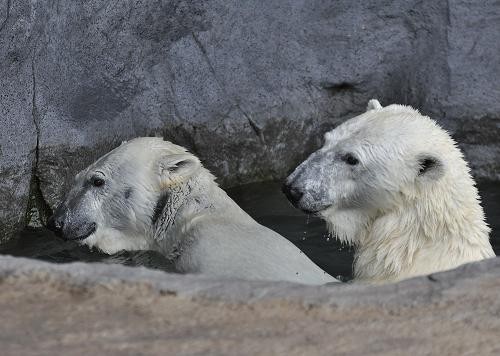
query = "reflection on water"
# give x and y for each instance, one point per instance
(267, 205)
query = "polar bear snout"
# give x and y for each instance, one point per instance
(56, 224)
(70, 226)
(310, 201)
(293, 194)
(306, 187)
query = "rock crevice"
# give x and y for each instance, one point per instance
(38, 210)
(7, 14)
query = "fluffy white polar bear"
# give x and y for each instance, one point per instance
(152, 194)
(394, 184)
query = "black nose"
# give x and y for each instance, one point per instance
(55, 224)
(293, 194)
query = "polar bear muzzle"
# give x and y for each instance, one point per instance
(305, 187)
(74, 219)
(69, 225)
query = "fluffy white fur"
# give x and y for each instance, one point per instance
(158, 196)
(410, 206)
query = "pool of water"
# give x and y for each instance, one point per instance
(263, 201)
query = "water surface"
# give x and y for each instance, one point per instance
(266, 204)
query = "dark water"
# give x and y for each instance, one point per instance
(266, 203)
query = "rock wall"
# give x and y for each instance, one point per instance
(248, 86)
(83, 309)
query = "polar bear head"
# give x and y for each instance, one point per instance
(369, 164)
(388, 177)
(115, 202)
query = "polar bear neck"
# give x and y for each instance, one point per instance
(433, 228)
(198, 197)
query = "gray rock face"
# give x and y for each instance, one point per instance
(18, 135)
(472, 110)
(249, 87)
(85, 309)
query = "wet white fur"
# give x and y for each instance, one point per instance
(409, 224)
(201, 230)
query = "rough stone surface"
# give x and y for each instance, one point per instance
(83, 309)
(248, 86)
(18, 135)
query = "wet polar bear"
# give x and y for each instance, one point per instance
(393, 183)
(152, 194)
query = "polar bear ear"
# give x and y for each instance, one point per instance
(177, 166)
(373, 104)
(328, 136)
(430, 167)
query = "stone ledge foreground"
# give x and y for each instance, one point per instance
(85, 309)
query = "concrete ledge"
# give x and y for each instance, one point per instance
(82, 308)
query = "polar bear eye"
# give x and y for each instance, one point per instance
(350, 159)
(97, 182)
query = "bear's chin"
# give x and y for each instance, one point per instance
(345, 224)
(313, 210)
(111, 241)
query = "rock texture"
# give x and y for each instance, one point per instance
(249, 86)
(83, 309)
(18, 132)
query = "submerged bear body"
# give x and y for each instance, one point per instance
(152, 194)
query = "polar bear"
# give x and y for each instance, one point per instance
(393, 183)
(151, 194)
